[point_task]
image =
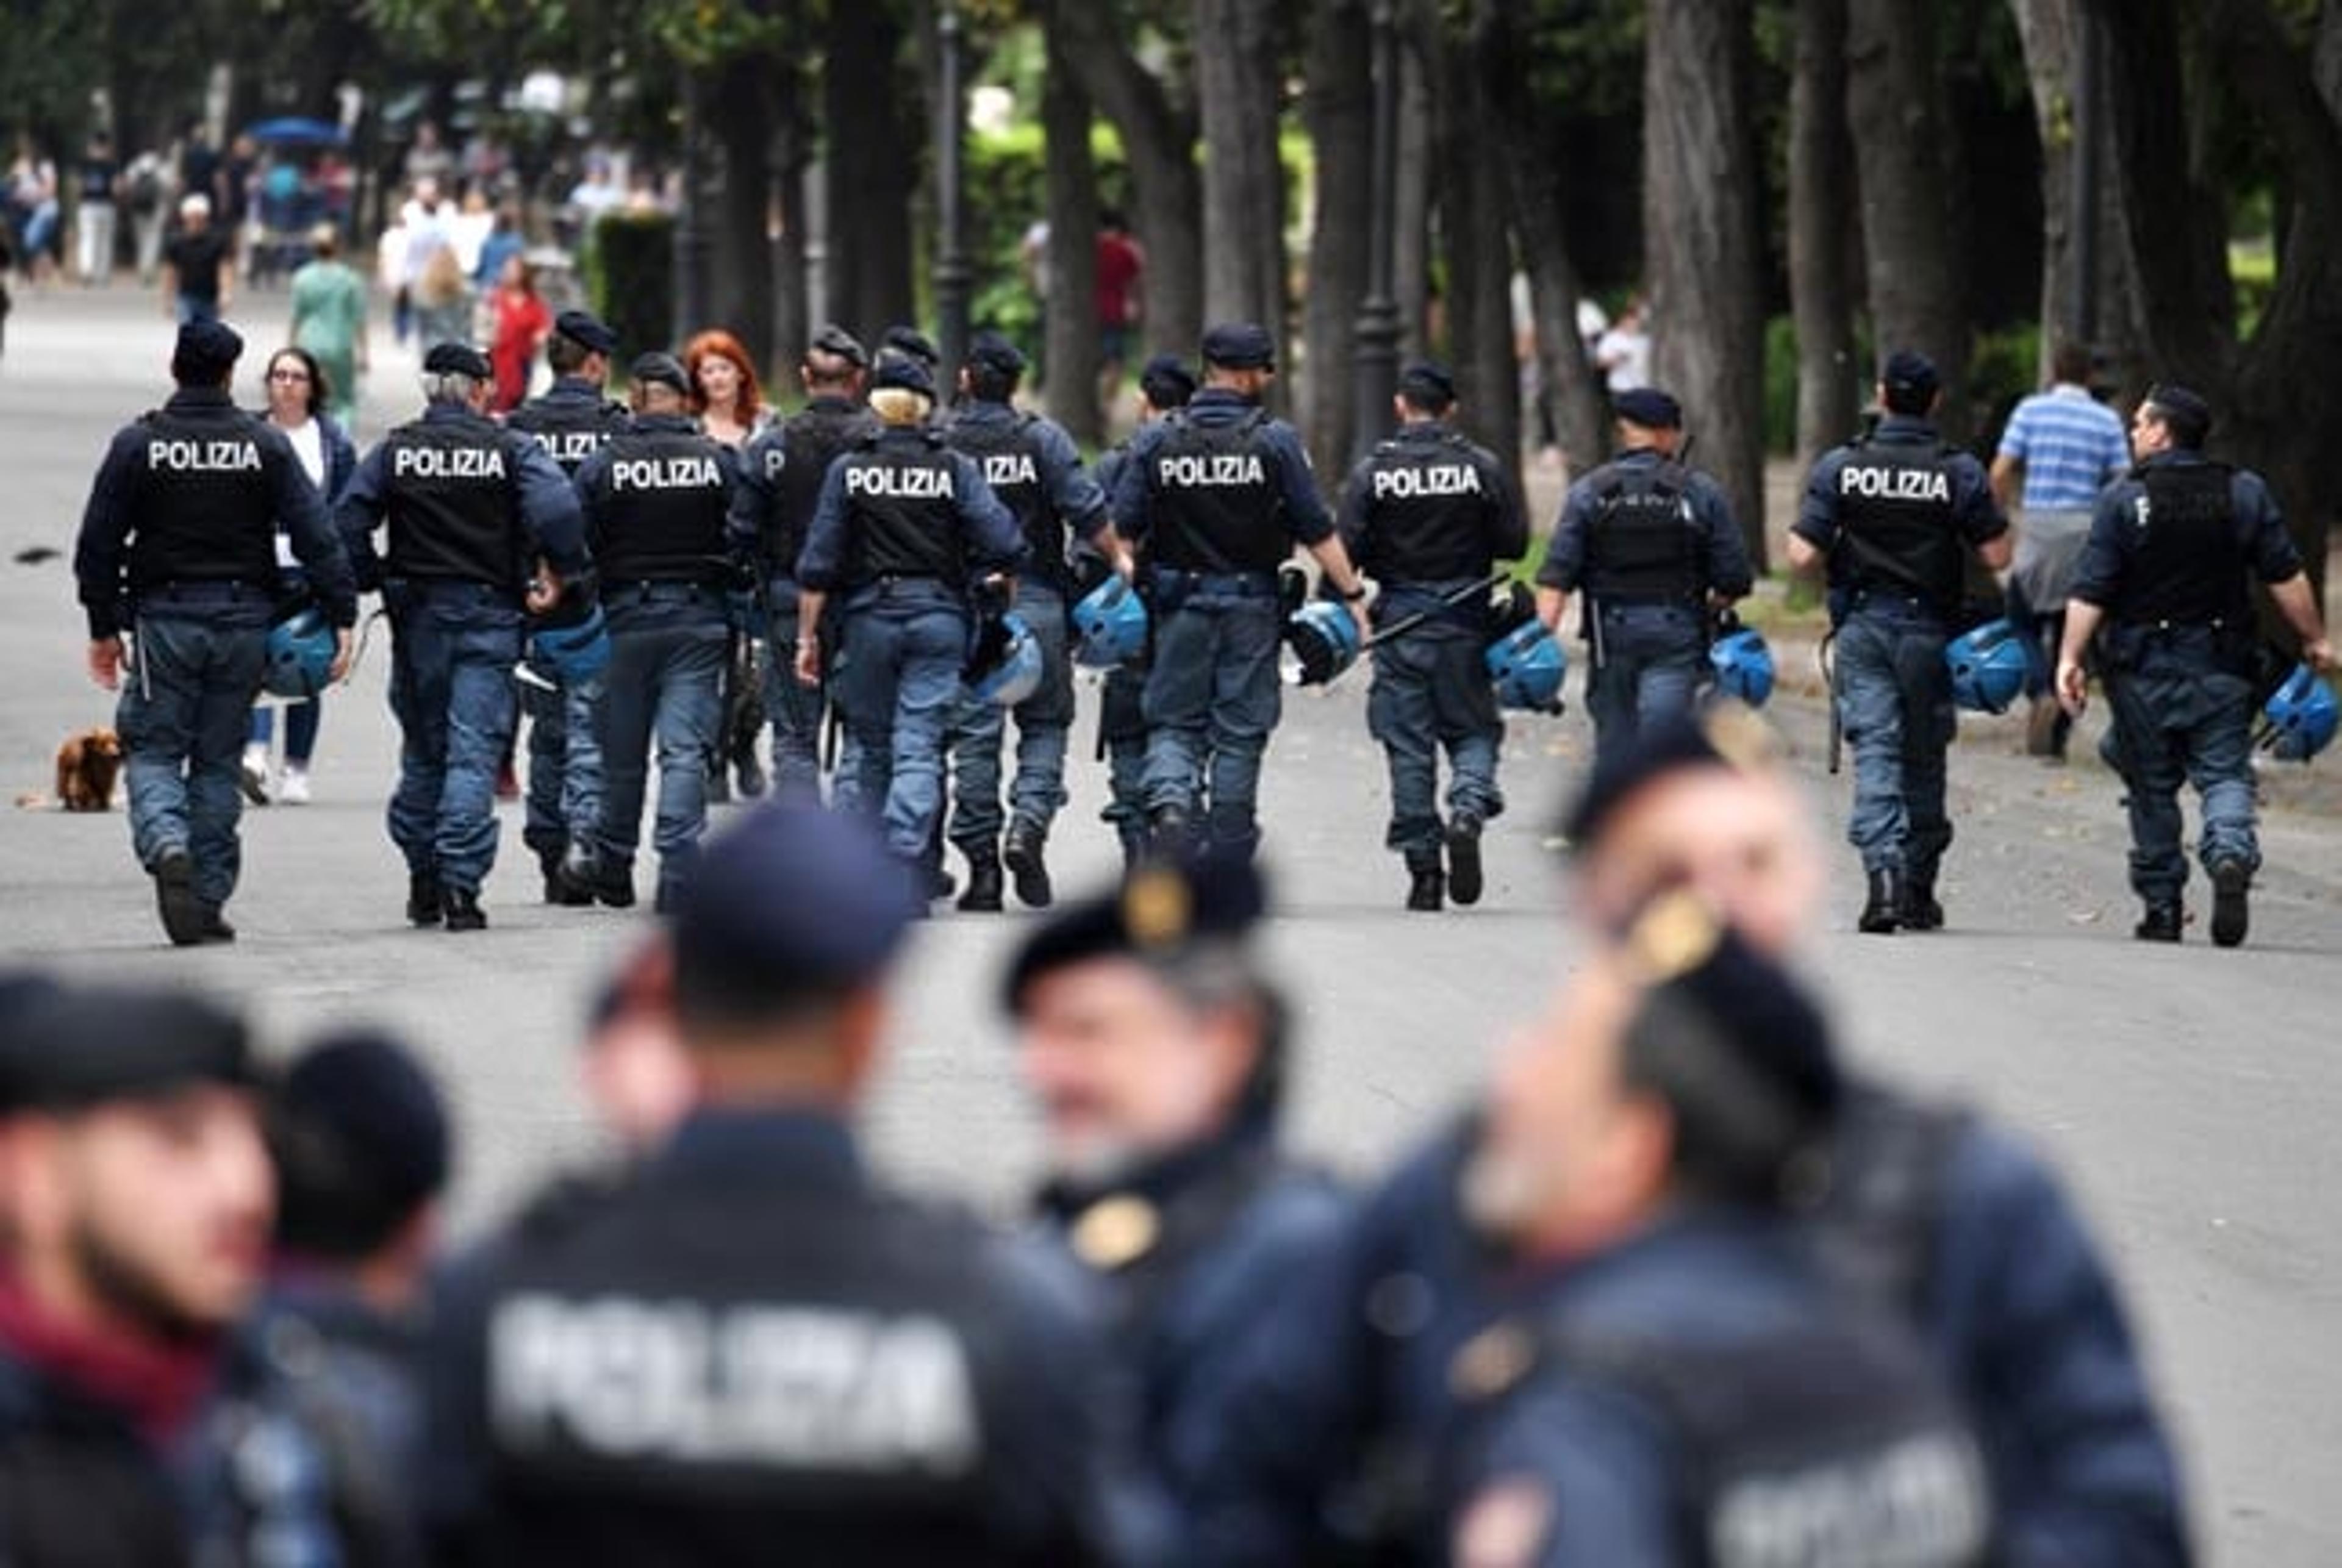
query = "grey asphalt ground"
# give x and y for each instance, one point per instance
(2190, 1095)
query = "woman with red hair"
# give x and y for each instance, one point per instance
(725, 393)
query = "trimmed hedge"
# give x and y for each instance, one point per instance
(629, 266)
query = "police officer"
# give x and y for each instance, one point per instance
(178, 547)
(780, 482)
(1427, 515)
(571, 420)
(872, 1380)
(472, 507)
(657, 497)
(1216, 496)
(2164, 574)
(1033, 468)
(1653, 546)
(1156, 1049)
(903, 528)
(1895, 516)
(1686, 1381)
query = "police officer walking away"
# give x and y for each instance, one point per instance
(571, 420)
(1216, 496)
(473, 510)
(904, 527)
(748, 1346)
(1034, 467)
(1427, 515)
(781, 473)
(1895, 516)
(1653, 546)
(2164, 574)
(178, 548)
(657, 498)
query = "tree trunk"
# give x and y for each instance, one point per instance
(793, 324)
(1821, 195)
(1072, 328)
(1474, 238)
(740, 123)
(1895, 110)
(1340, 111)
(1701, 243)
(1244, 182)
(1416, 146)
(872, 169)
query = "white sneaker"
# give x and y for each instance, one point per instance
(293, 789)
(254, 775)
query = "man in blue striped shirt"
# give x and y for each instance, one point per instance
(2066, 445)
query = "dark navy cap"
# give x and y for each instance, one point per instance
(910, 340)
(835, 340)
(361, 1140)
(1909, 371)
(1728, 736)
(660, 369)
(1648, 407)
(996, 353)
(792, 903)
(1167, 381)
(458, 359)
(1429, 381)
(1754, 1010)
(904, 372)
(1157, 915)
(205, 351)
(77, 1047)
(586, 329)
(1240, 345)
(2189, 415)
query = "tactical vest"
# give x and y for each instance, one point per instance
(796, 462)
(2187, 567)
(1896, 523)
(1214, 501)
(570, 430)
(655, 1395)
(1009, 453)
(204, 508)
(902, 505)
(454, 502)
(1430, 502)
(1644, 543)
(665, 496)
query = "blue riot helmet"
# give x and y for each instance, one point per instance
(1743, 665)
(1989, 666)
(2300, 719)
(300, 656)
(1324, 639)
(1528, 665)
(1006, 667)
(576, 650)
(1109, 626)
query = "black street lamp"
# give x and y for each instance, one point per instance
(951, 270)
(1374, 353)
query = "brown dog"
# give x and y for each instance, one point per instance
(87, 765)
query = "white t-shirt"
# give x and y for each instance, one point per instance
(1627, 352)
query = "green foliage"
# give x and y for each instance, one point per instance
(1007, 191)
(629, 268)
(2004, 367)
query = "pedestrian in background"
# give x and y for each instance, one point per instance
(329, 320)
(522, 324)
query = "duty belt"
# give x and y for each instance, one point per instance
(205, 590)
(1238, 583)
(646, 590)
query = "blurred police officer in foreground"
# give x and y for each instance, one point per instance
(1427, 515)
(135, 1205)
(1895, 516)
(1034, 467)
(473, 509)
(313, 1448)
(905, 529)
(178, 548)
(571, 420)
(1166, 383)
(748, 1348)
(2166, 571)
(781, 474)
(657, 498)
(1158, 1052)
(1683, 1380)
(1216, 496)
(1653, 546)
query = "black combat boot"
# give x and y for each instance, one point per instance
(175, 897)
(1168, 836)
(567, 876)
(982, 894)
(462, 910)
(613, 885)
(2232, 885)
(2161, 923)
(215, 927)
(1430, 885)
(422, 900)
(1463, 877)
(1027, 840)
(1921, 912)
(1884, 913)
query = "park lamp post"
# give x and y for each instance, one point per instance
(951, 270)
(1374, 353)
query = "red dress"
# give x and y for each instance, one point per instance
(522, 323)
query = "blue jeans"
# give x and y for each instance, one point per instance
(795, 709)
(1122, 717)
(1042, 722)
(453, 648)
(1212, 699)
(665, 685)
(898, 686)
(565, 763)
(182, 721)
(2181, 717)
(1652, 658)
(1431, 692)
(301, 720)
(1895, 702)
